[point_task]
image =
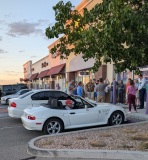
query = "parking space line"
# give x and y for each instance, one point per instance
(11, 127)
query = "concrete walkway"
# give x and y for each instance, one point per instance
(139, 115)
(100, 154)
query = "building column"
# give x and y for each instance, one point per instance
(52, 82)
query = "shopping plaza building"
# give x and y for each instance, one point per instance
(49, 70)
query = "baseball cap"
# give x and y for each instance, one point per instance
(68, 101)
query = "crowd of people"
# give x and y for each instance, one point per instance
(94, 89)
(131, 93)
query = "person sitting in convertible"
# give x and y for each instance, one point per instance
(68, 103)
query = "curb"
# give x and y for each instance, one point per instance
(80, 153)
(104, 154)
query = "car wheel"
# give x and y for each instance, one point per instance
(53, 126)
(116, 118)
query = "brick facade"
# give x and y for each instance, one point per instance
(70, 76)
(102, 72)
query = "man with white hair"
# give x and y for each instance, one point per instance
(142, 90)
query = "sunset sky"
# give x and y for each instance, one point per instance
(22, 34)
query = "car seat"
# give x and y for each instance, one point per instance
(49, 101)
(54, 103)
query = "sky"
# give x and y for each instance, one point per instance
(22, 34)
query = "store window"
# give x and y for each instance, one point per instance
(84, 76)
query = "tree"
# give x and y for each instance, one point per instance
(112, 31)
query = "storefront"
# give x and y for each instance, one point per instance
(84, 76)
(144, 71)
(57, 75)
(34, 81)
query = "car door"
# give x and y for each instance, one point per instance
(86, 115)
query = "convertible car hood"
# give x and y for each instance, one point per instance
(108, 105)
(98, 104)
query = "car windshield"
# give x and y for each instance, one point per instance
(26, 94)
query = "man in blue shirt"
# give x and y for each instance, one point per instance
(80, 89)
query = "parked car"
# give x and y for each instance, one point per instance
(12, 88)
(31, 99)
(5, 99)
(53, 118)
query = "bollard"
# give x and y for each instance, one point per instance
(146, 112)
(114, 92)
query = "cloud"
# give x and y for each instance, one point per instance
(1, 38)
(11, 73)
(10, 34)
(2, 51)
(24, 28)
(21, 51)
(2, 21)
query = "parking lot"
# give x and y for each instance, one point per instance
(14, 137)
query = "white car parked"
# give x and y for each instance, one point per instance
(31, 99)
(53, 118)
(5, 99)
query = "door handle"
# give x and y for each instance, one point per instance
(72, 113)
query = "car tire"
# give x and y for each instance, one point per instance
(116, 118)
(53, 126)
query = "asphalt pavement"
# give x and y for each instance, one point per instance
(14, 140)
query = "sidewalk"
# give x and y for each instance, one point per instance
(139, 115)
(98, 154)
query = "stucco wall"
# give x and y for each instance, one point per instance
(27, 69)
(37, 66)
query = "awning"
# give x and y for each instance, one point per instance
(43, 73)
(34, 76)
(56, 70)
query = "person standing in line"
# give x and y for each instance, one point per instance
(137, 93)
(131, 91)
(75, 86)
(80, 89)
(95, 93)
(71, 87)
(111, 90)
(142, 90)
(126, 91)
(121, 91)
(89, 87)
(100, 89)
(58, 86)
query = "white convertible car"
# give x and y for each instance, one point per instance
(53, 118)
